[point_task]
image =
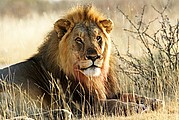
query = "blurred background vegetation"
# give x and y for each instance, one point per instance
(24, 8)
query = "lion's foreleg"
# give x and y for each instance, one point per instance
(150, 103)
(117, 107)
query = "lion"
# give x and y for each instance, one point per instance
(76, 54)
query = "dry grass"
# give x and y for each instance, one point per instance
(21, 37)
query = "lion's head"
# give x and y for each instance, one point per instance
(82, 48)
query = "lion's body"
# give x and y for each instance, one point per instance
(28, 75)
(56, 60)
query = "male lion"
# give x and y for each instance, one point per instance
(76, 56)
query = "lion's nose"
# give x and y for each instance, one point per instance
(92, 54)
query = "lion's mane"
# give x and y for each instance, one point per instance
(57, 57)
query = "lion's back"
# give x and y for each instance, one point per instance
(26, 75)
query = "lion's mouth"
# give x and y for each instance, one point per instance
(90, 68)
(92, 71)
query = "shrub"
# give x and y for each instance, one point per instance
(156, 73)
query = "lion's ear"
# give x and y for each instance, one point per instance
(107, 24)
(61, 26)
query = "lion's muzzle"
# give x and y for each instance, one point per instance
(92, 64)
(90, 68)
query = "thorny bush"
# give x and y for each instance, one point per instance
(156, 72)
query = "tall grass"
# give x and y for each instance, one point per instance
(16, 104)
(149, 68)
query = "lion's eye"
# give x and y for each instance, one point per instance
(79, 40)
(98, 38)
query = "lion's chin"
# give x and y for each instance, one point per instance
(92, 72)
